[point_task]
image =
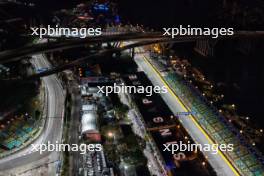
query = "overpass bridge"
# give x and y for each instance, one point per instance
(17, 54)
(94, 58)
(140, 39)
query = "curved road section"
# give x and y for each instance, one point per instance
(52, 130)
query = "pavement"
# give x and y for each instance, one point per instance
(218, 161)
(74, 125)
(27, 159)
(139, 129)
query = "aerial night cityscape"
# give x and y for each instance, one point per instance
(131, 88)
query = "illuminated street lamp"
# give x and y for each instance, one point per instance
(125, 167)
(110, 134)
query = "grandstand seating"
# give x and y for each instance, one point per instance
(248, 160)
(16, 133)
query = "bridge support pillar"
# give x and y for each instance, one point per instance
(132, 53)
(205, 47)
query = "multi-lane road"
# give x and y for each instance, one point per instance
(73, 42)
(218, 161)
(27, 158)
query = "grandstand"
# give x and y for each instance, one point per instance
(244, 157)
(16, 132)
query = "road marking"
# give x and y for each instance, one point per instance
(192, 118)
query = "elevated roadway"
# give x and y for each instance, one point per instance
(17, 54)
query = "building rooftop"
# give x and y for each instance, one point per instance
(89, 124)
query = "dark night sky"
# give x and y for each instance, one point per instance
(153, 12)
(166, 12)
(149, 12)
